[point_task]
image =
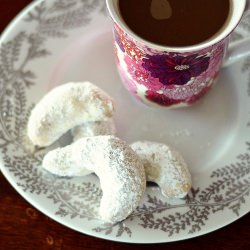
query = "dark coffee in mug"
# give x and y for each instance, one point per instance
(175, 22)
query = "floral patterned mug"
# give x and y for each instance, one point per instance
(174, 76)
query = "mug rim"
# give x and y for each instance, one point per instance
(236, 12)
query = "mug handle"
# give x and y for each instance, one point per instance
(239, 49)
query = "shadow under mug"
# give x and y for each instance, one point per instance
(175, 76)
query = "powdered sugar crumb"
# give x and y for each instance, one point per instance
(182, 132)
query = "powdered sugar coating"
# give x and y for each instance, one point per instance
(65, 162)
(164, 166)
(121, 172)
(87, 129)
(65, 107)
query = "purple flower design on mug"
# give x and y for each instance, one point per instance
(178, 70)
(141, 76)
(160, 98)
(163, 100)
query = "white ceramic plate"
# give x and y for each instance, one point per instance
(56, 41)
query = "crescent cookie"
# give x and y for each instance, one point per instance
(65, 107)
(121, 172)
(87, 129)
(164, 166)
